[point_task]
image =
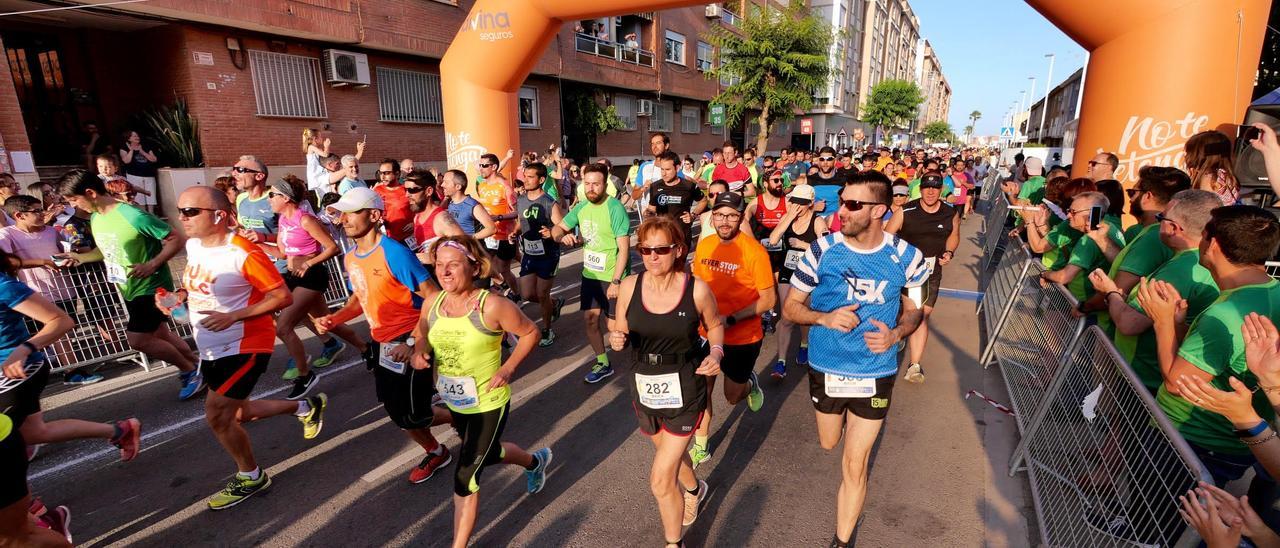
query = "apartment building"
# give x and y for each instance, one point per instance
(890, 41)
(256, 72)
(1053, 127)
(835, 110)
(933, 85)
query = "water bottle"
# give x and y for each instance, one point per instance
(173, 303)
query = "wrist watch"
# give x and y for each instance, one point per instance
(616, 281)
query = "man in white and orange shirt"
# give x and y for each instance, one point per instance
(498, 197)
(233, 289)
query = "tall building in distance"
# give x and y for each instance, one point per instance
(890, 37)
(934, 87)
(835, 110)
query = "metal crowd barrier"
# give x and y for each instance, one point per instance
(1105, 465)
(994, 235)
(100, 316)
(95, 304)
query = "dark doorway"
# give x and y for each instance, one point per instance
(36, 62)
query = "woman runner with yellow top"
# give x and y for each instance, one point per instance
(465, 329)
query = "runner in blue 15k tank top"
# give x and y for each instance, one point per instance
(849, 286)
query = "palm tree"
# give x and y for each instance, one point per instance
(973, 121)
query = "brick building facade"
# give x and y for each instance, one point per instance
(108, 64)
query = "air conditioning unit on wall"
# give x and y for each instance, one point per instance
(644, 107)
(343, 68)
(713, 11)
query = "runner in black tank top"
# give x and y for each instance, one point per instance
(665, 359)
(669, 378)
(814, 227)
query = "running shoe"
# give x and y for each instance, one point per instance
(548, 337)
(598, 372)
(239, 488)
(536, 478)
(698, 454)
(290, 370)
(802, 356)
(915, 373)
(429, 465)
(555, 312)
(302, 385)
(313, 421)
(192, 383)
(77, 378)
(59, 520)
(779, 369)
(755, 399)
(129, 439)
(329, 353)
(693, 504)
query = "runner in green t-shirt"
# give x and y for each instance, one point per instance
(606, 236)
(1237, 242)
(135, 247)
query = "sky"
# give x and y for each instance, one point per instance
(988, 49)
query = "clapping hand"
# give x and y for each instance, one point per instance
(1102, 282)
(1161, 302)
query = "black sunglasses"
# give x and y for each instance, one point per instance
(485, 165)
(190, 212)
(1160, 218)
(239, 169)
(855, 205)
(661, 250)
(413, 189)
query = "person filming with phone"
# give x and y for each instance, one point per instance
(1087, 214)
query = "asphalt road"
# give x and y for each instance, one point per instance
(938, 474)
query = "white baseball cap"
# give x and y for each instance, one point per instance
(357, 199)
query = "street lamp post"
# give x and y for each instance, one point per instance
(1021, 107)
(1044, 109)
(1031, 99)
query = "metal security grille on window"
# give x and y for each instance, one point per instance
(287, 85)
(409, 96)
(626, 107)
(690, 120)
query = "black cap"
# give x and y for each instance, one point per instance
(931, 180)
(729, 199)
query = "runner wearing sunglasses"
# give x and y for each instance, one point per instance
(736, 268)
(307, 247)
(399, 218)
(827, 181)
(431, 218)
(760, 218)
(794, 232)
(496, 194)
(671, 370)
(850, 287)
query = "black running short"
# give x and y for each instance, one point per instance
(739, 361)
(316, 279)
(13, 467)
(234, 376)
(594, 294)
(932, 286)
(21, 399)
(505, 252)
(144, 317)
(683, 425)
(406, 396)
(875, 407)
(542, 266)
(481, 446)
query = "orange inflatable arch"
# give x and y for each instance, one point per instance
(1159, 70)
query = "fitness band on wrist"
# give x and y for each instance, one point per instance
(1255, 430)
(30, 346)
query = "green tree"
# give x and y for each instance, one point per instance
(973, 121)
(892, 103)
(936, 132)
(588, 118)
(776, 64)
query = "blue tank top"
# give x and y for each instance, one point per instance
(464, 213)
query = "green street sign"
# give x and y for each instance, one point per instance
(717, 115)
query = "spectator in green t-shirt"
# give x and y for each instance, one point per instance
(1143, 251)
(1085, 254)
(1047, 232)
(1179, 230)
(1237, 242)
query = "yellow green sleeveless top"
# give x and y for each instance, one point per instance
(467, 354)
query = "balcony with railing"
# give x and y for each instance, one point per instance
(730, 17)
(592, 45)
